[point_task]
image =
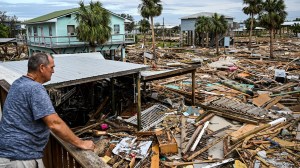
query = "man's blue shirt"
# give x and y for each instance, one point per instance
(23, 134)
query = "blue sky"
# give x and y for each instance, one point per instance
(172, 12)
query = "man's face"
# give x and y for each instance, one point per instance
(47, 70)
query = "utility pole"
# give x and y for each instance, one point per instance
(163, 32)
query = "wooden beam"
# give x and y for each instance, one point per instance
(138, 92)
(205, 148)
(192, 139)
(113, 100)
(155, 157)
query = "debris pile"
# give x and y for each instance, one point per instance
(246, 113)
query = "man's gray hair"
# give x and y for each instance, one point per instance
(36, 60)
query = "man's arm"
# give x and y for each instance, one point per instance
(60, 128)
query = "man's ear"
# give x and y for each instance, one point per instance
(41, 68)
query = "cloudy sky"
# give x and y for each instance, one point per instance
(172, 9)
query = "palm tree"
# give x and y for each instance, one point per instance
(150, 9)
(204, 25)
(144, 28)
(219, 27)
(254, 7)
(94, 24)
(271, 18)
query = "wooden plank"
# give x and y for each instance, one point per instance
(138, 91)
(205, 148)
(155, 157)
(65, 159)
(59, 155)
(71, 161)
(167, 142)
(245, 128)
(261, 99)
(199, 136)
(192, 139)
(276, 100)
(183, 132)
(47, 159)
(54, 154)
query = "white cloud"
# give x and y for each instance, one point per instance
(173, 9)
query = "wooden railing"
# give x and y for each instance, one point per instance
(60, 154)
(72, 40)
(56, 156)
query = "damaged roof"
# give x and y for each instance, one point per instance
(72, 69)
(206, 14)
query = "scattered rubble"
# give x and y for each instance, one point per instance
(246, 112)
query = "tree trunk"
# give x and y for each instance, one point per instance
(271, 43)
(145, 60)
(202, 39)
(207, 41)
(145, 39)
(217, 43)
(250, 36)
(153, 40)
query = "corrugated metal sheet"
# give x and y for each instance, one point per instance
(6, 40)
(73, 69)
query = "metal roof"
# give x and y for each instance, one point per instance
(60, 13)
(291, 23)
(207, 14)
(6, 40)
(72, 69)
(162, 74)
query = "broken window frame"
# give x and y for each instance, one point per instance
(71, 30)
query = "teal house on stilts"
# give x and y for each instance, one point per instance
(54, 33)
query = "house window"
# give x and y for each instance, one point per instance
(35, 33)
(29, 31)
(116, 29)
(50, 30)
(71, 30)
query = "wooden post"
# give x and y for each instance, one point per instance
(138, 96)
(113, 100)
(111, 54)
(193, 87)
(123, 54)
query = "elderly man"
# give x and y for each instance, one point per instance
(28, 115)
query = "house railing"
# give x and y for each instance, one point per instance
(72, 40)
(63, 155)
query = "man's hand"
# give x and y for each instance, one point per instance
(87, 145)
(59, 128)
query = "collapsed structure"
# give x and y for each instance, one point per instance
(196, 108)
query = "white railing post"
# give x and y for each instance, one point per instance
(51, 41)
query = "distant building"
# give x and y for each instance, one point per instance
(188, 26)
(54, 33)
(17, 28)
(286, 27)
